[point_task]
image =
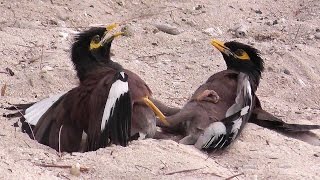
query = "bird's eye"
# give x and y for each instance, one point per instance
(95, 42)
(96, 39)
(239, 52)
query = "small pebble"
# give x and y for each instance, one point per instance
(52, 22)
(286, 71)
(317, 35)
(191, 23)
(269, 23)
(120, 3)
(249, 20)
(204, 66)
(62, 16)
(213, 31)
(46, 69)
(11, 73)
(199, 7)
(241, 31)
(258, 11)
(154, 31)
(282, 21)
(300, 81)
(275, 22)
(270, 69)
(75, 170)
(166, 28)
(310, 37)
(63, 35)
(194, 40)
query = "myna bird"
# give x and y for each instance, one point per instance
(219, 109)
(110, 105)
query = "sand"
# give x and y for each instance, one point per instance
(35, 45)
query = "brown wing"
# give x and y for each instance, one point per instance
(111, 103)
(224, 83)
(203, 113)
(137, 86)
(61, 119)
(143, 118)
(80, 110)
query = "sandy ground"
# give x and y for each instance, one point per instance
(35, 45)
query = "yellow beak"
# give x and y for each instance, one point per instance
(107, 39)
(112, 26)
(219, 45)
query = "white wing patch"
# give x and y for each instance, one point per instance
(216, 135)
(244, 110)
(210, 135)
(34, 112)
(117, 89)
(242, 93)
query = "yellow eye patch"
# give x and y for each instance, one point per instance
(241, 54)
(95, 42)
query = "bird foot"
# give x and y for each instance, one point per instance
(208, 95)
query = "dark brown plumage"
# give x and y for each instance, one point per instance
(84, 109)
(80, 111)
(99, 107)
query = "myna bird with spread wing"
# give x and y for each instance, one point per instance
(111, 104)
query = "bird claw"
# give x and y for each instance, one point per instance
(208, 95)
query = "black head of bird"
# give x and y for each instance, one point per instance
(242, 58)
(91, 49)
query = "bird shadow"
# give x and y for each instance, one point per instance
(308, 137)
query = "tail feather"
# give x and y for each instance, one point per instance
(13, 115)
(27, 128)
(220, 135)
(19, 106)
(267, 120)
(32, 112)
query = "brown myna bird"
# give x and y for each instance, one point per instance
(219, 109)
(111, 104)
